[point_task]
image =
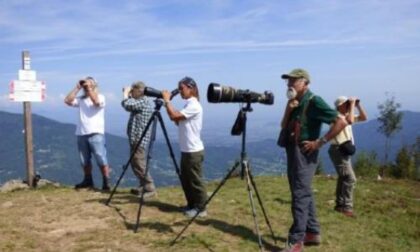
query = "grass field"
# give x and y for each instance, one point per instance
(62, 219)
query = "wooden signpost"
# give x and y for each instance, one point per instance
(27, 89)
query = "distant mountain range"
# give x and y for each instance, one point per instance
(56, 157)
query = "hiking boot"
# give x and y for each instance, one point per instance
(106, 184)
(296, 247)
(349, 213)
(346, 212)
(192, 212)
(136, 191)
(86, 183)
(338, 209)
(312, 239)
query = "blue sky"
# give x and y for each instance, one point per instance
(361, 48)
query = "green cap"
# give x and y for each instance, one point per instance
(297, 73)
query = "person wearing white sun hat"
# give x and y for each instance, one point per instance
(341, 149)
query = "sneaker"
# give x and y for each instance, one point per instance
(147, 195)
(312, 239)
(192, 212)
(86, 183)
(202, 214)
(296, 247)
(185, 208)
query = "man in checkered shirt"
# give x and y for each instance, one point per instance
(140, 112)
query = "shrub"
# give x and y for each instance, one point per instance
(366, 164)
(404, 166)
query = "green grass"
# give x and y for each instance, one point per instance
(62, 219)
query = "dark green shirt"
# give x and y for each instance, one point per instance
(318, 112)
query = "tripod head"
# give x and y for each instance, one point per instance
(158, 94)
(239, 125)
(247, 107)
(158, 103)
(239, 128)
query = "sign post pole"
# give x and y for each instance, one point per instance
(26, 65)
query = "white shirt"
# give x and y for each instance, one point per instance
(190, 129)
(91, 117)
(345, 135)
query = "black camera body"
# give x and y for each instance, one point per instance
(217, 93)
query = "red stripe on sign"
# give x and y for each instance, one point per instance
(43, 93)
(11, 91)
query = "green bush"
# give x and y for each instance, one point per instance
(366, 164)
(404, 166)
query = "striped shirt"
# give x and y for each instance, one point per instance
(140, 113)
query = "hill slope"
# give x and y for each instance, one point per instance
(62, 219)
(56, 157)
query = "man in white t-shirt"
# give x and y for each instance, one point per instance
(189, 121)
(90, 130)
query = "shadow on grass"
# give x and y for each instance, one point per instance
(234, 230)
(283, 201)
(157, 226)
(241, 231)
(121, 198)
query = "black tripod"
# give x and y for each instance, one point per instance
(240, 126)
(153, 119)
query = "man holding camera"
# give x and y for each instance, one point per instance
(90, 130)
(140, 112)
(302, 121)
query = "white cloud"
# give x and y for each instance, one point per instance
(88, 29)
(120, 41)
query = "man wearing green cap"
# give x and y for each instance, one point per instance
(302, 121)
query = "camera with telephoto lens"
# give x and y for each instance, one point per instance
(217, 93)
(151, 92)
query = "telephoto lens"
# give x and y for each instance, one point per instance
(152, 92)
(217, 93)
(149, 91)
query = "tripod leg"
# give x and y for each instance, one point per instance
(251, 200)
(168, 143)
(125, 167)
(171, 152)
(207, 201)
(146, 172)
(141, 203)
(131, 156)
(254, 185)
